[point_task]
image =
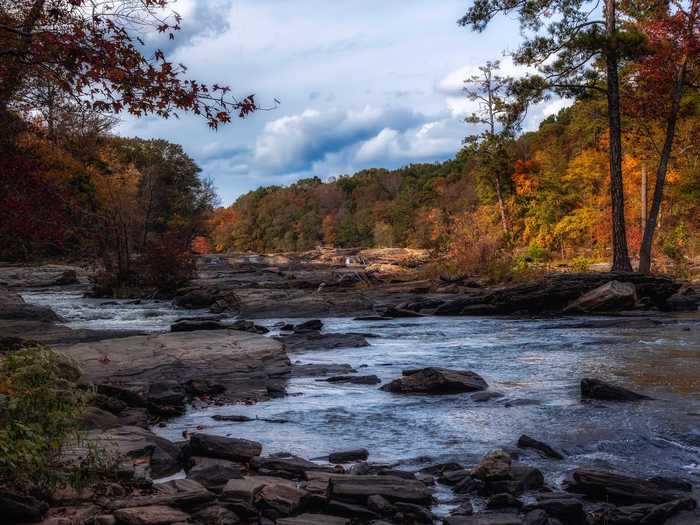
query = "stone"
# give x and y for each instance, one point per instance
(348, 456)
(317, 370)
(214, 473)
(484, 519)
(312, 341)
(394, 312)
(341, 508)
(609, 297)
(151, 515)
(596, 389)
(503, 500)
(465, 509)
(563, 507)
(536, 517)
(436, 381)
(314, 519)
(289, 467)
(526, 477)
(380, 505)
(359, 488)
(193, 326)
(281, 498)
(312, 325)
(495, 466)
(610, 486)
(94, 418)
(216, 515)
(221, 447)
(246, 365)
(414, 513)
(355, 380)
(666, 483)
(66, 278)
(243, 490)
(481, 397)
(20, 507)
(526, 441)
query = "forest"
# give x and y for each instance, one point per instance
(553, 182)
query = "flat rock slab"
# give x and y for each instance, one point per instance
(436, 381)
(596, 389)
(153, 515)
(611, 486)
(309, 341)
(314, 519)
(485, 519)
(247, 365)
(359, 488)
(221, 447)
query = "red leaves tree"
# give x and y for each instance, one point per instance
(660, 80)
(94, 51)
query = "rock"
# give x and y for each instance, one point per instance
(214, 473)
(484, 519)
(166, 398)
(436, 381)
(348, 456)
(495, 466)
(127, 444)
(216, 515)
(247, 365)
(380, 505)
(414, 513)
(610, 486)
(536, 517)
(355, 380)
(503, 500)
(359, 488)
(17, 507)
(110, 404)
(398, 313)
(152, 515)
(243, 490)
(292, 467)
(195, 299)
(192, 326)
(233, 418)
(562, 506)
(687, 299)
(465, 509)
(610, 297)
(316, 370)
(480, 397)
(282, 499)
(13, 307)
(314, 519)
(248, 326)
(224, 447)
(308, 326)
(526, 478)
(596, 389)
(372, 318)
(350, 510)
(452, 477)
(312, 341)
(554, 292)
(66, 278)
(180, 493)
(677, 484)
(94, 418)
(526, 441)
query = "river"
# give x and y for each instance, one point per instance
(536, 363)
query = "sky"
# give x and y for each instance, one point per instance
(361, 83)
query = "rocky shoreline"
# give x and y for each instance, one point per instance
(141, 379)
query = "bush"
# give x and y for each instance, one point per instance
(39, 403)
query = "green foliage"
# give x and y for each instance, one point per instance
(580, 263)
(39, 402)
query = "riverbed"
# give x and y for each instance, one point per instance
(536, 364)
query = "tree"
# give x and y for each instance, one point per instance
(662, 78)
(567, 52)
(94, 52)
(490, 90)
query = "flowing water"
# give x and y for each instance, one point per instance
(536, 363)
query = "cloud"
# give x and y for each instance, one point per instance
(296, 142)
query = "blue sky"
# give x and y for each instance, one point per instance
(361, 83)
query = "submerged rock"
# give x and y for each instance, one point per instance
(526, 441)
(356, 380)
(596, 389)
(436, 381)
(348, 456)
(314, 340)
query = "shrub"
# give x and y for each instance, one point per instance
(39, 402)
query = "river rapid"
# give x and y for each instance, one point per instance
(536, 364)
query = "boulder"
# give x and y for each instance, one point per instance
(16, 507)
(355, 380)
(436, 381)
(248, 326)
(246, 365)
(610, 297)
(151, 515)
(503, 500)
(66, 278)
(617, 488)
(380, 505)
(495, 466)
(193, 326)
(359, 488)
(314, 519)
(292, 467)
(280, 498)
(216, 515)
(312, 341)
(526, 441)
(596, 389)
(221, 447)
(348, 456)
(562, 506)
(484, 519)
(214, 473)
(307, 326)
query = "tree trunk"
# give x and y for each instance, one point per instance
(501, 206)
(661, 170)
(621, 261)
